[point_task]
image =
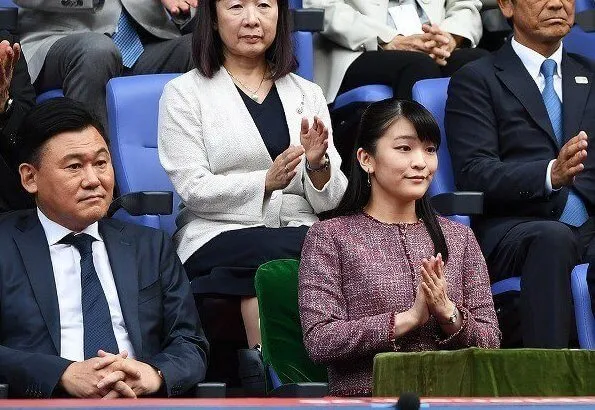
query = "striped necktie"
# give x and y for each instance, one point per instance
(574, 212)
(127, 40)
(98, 329)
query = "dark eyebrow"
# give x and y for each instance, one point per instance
(79, 156)
(405, 137)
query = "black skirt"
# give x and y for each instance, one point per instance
(226, 265)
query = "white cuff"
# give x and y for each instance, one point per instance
(548, 178)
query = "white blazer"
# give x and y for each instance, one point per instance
(354, 26)
(217, 160)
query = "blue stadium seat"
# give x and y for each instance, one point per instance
(305, 56)
(132, 111)
(580, 42)
(582, 5)
(8, 4)
(48, 95)
(432, 94)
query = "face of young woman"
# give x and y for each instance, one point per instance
(403, 165)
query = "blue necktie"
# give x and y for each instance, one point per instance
(574, 212)
(97, 322)
(127, 40)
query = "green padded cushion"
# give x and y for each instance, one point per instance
(276, 285)
(478, 372)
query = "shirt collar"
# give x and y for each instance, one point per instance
(54, 232)
(532, 60)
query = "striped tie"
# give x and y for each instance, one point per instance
(97, 323)
(574, 212)
(127, 40)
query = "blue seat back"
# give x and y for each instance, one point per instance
(304, 53)
(48, 95)
(8, 4)
(582, 5)
(432, 95)
(580, 42)
(132, 110)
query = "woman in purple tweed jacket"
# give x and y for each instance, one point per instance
(386, 273)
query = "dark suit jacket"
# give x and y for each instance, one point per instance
(154, 292)
(501, 139)
(12, 194)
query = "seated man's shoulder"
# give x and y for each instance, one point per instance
(482, 66)
(15, 219)
(135, 230)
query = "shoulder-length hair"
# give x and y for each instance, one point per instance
(207, 47)
(375, 121)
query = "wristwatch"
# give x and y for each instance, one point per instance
(453, 317)
(323, 167)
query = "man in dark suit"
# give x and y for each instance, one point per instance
(520, 125)
(17, 96)
(89, 306)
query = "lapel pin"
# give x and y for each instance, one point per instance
(581, 80)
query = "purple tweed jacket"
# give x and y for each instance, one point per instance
(356, 272)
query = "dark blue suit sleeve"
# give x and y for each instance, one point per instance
(32, 375)
(472, 129)
(183, 359)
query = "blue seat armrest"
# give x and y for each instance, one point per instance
(311, 20)
(507, 285)
(311, 390)
(585, 322)
(144, 203)
(210, 391)
(458, 203)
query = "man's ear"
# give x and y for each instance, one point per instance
(507, 8)
(365, 161)
(28, 174)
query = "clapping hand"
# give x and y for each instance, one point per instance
(314, 139)
(570, 161)
(9, 55)
(283, 169)
(435, 289)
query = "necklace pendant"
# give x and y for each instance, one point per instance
(254, 97)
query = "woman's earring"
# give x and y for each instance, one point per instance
(368, 172)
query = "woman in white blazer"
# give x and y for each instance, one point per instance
(363, 44)
(248, 147)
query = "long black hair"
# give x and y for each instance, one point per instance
(376, 120)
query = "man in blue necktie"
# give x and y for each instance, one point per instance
(520, 125)
(79, 45)
(89, 306)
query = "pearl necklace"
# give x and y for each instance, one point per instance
(253, 93)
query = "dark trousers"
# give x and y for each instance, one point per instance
(544, 253)
(82, 64)
(401, 69)
(226, 265)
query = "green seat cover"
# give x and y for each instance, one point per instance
(276, 285)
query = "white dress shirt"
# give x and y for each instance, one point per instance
(532, 61)
(67, 275)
